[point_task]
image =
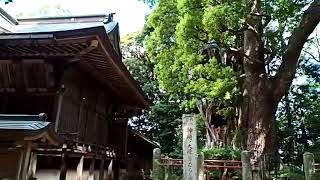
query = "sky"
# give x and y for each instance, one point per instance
(129, 13)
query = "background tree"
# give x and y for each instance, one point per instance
(175, 43)
(299, 111)
(162, 121)
(46, 11)
(265, 37)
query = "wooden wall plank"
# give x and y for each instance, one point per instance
(85, 108)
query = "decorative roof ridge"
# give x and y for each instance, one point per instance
(8, 17)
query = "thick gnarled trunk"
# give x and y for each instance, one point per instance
(262, 131)
(264, 92)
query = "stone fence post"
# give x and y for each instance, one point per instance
(201, 174)
(157, 173)
(308, 165)
(246, 165)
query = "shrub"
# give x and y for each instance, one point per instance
(222, 153)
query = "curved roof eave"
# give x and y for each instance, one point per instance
(101, 35)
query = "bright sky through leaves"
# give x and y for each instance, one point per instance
(129, 13)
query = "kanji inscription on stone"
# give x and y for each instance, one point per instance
(189, 147)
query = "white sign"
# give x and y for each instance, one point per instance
(190, 165)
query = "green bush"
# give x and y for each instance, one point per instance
(288, 172)
(222, 153)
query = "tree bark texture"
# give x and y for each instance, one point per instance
(264, 92)
(216, 135)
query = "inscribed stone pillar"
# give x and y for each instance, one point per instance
(190, 163)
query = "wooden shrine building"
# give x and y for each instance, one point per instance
(66, 98)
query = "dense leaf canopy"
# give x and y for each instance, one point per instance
(180, 32)
(183, 28)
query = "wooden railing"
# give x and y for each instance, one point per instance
(222, 164)
(73, 147)
(317, 166)
(209, 164)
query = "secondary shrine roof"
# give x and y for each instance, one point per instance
(27, 127)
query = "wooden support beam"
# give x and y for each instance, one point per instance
(32, 61)
(58, 71)
(18, 53)
(101, 170)
(59, 105)
(24, 162)
(33, 165)
(80, 168)
(110, 170)
(91, 169)
(63, 168)
(5, 61)
(80, 120)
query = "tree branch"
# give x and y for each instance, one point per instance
(267, 18)
(311, 55)
(290, 58)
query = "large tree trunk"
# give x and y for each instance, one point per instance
(262, 131)
(264, 92)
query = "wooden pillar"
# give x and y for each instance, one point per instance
(101, 170)
(246, 165)
(33, 165)
(19, 167)
(58, 70)
(79, 118)
(80, 168)
(24, 162)
(123, 174)
(115, 169)
(63, 168)
(308, 165)
(126, 143)
(58, 108)
(91, 169)
(110, 170)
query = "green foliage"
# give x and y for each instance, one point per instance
(299, 113)
(46, 11)
(227, 153)
(182, 28)
(167, 115)
(180, 32)
(149, 2)
(316, 176)
(163, 121)
(292, 173)
(288, 172)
